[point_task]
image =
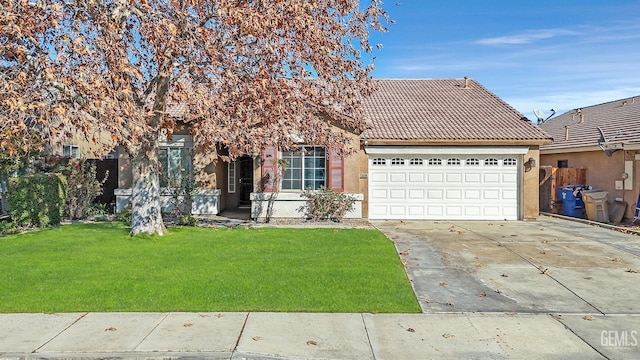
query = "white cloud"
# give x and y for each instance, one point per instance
(526, 37)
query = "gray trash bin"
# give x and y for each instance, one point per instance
(596, 206)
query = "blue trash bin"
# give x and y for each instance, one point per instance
(572, 203)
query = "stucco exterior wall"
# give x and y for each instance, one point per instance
(605, 171)
(531, 185)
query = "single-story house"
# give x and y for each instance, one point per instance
(603, 138)
(433, 149)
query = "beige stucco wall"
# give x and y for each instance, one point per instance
(604, 171)
(531, 185)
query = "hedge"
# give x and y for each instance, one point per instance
(37, 200)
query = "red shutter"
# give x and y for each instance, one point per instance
(336, 170)
(269, 168)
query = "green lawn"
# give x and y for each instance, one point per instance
(98, 267)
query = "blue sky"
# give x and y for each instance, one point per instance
(543, 54)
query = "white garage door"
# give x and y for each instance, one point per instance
(444, 187)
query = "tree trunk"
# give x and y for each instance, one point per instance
(146, 216)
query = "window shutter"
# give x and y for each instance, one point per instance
(336, 170)
(269, 168)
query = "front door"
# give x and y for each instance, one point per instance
(245, 180)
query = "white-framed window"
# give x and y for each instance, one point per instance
(472, 162)
(306, 168)
(416, 161)
(397, 161)
(491, 162)
(379, 161)
(71, 151)
(231, 177)
(453, 161)
(434, 162)
(176, 170)
(510, 162)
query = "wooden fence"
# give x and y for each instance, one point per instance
(552, 178)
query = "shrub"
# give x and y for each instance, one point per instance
(187, 220)
(326, 204)
(37, 200)
(124, 216)
(84, 187)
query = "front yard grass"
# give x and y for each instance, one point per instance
(98, 267)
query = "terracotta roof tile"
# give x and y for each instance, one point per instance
(443, 110)
(619, 121)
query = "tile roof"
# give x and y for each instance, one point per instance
(441, 110)
(619, 121)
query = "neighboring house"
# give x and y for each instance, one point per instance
(433, 149)
(605, 139)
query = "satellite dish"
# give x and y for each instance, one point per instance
(604, 145)
(541, 116)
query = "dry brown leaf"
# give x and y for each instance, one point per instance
(482, 295)
(448, 335)
(616, 259)
(110, 329)
(256, 338)
(443, 284)
(588, 318)
(311, 342)
(504, 275)
(411, 330)
(188, 325)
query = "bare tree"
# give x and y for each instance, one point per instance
(245, 73)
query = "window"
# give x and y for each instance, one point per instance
(306, 168)
(453, 161)
(231, 177)
(491, 162)
(176, 170)
(510, 162)
(397, 161)
(415, 161)
(563, 163)
(379, 161)
(434, 162)
(472, 162)
(71, 151)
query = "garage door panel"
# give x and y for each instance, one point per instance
(491, 194)
(473, 178)
(454, 210)
(379, 178)
(416, 177)
(454, 178)
(473, 190)
(398, 178)
(416, 194)
(435, 178)
(435, 194)
(435, 211)
(378, 194)
(474, 211)
(491, 177)
(474, 194)
(510, 178)
(397, 194)
(509, 195)
(454, 194)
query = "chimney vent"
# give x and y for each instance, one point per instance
(466, 82)
(566, 133)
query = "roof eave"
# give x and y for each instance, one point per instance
(468, 142)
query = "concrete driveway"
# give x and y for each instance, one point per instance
(586, 277)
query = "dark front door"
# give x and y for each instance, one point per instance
(245, 180)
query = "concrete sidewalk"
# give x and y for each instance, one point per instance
(306, 336)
